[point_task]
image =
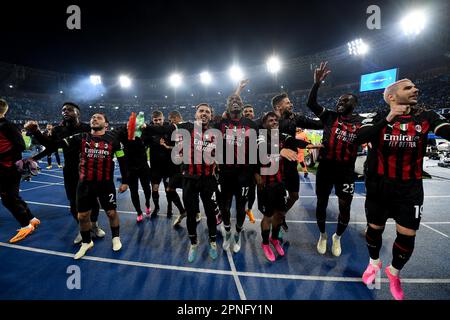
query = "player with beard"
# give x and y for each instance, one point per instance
(198, 177)
(288, 124)
(96, 151)
(69, 126)
(336, 159)
(235, 178)
(161, 165)
(271, 190)
(394, 176)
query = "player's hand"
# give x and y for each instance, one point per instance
(321, 73)
(243, 83)
(259, 181)
(314, 146)
(123, 187)
(397, 110)
(289, 154)
(31, 126)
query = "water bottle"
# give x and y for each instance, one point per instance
(140, 120)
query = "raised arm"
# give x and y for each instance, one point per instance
(241, 86)
(319, 75)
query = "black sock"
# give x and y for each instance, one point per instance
(115, 231)
(155, 196)
(374, 239)
(276, 232)
(193, 239)
(265, 236)
(402, 250)
(86, 236)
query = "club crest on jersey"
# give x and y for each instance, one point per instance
(418, 128)
(404, 127)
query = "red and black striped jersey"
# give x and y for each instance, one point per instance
(397, 150)
(275, 159)
(339, 136)
(96, 155)
(201, 143)
(236, 134)
(11, 143)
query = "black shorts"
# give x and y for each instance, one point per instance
(204, 188)
(272, 198)
(160, 174)
(402, 201)
(176, 181)
(291, 179)
(89, 191)
(235, 183)
(342, 177)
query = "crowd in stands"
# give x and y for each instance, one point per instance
(434, 94)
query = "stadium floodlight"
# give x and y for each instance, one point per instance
(413, 23)
(236, 73)
(175, 80)
(357, 47)
(11, 86)
(125, 82)
(61, 91)
(95, 80)
(273, 64)
(205, 78)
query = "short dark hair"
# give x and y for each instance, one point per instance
(156, 114)
(205, 104)
(267, 115)
(175, 114)
(104, 116)
(353, 95)
(278, 98)
(248, 106)
(72, 104)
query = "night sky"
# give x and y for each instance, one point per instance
(153, 38)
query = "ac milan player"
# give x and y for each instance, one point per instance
(336, 159)
(161, 165)
(69, 126)
(96, 177)
(138, 170)
(289, 121)
(235, 178)
(198, 178)
(272, 195)
(11, 148)
(394, 176)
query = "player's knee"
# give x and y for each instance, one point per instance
(83, 216)
(111, 213)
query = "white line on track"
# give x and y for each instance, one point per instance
(41, 182)
(40, 187)
(437, 231)
(51, 175)
(216, 271)
(288, 221)
(235, 276)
